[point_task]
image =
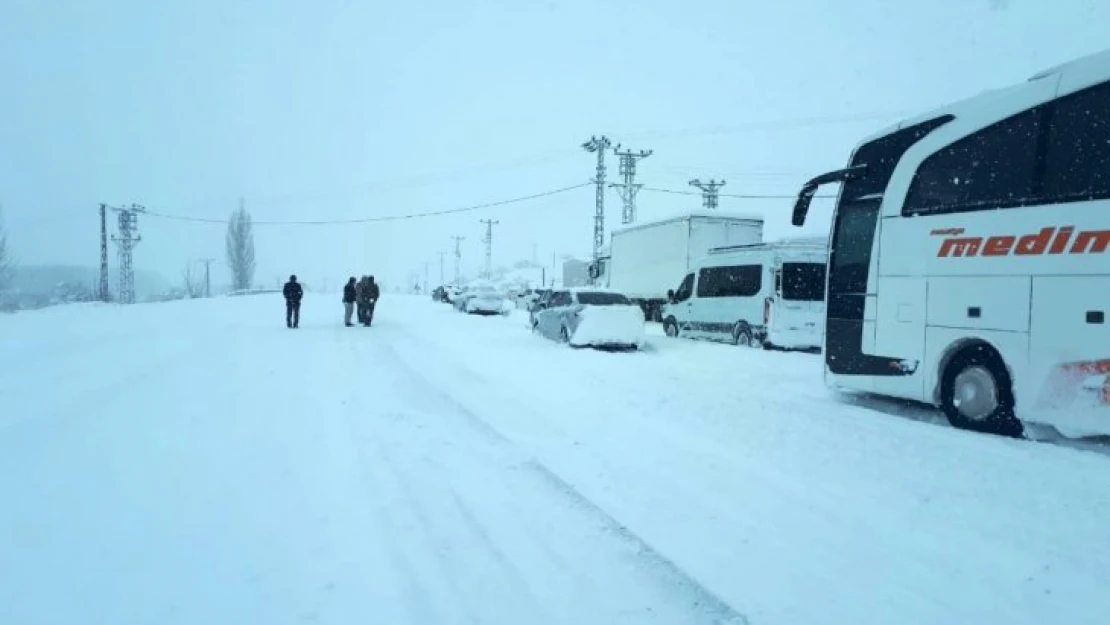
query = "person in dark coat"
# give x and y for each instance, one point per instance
(373, 293)
(349, 297)
(293, 294)
(362, 297)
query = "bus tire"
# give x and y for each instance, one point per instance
(976, 393)
(670, 327)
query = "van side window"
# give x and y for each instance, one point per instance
(735, 281)
(1077, 165)
(993, 168)
(686, 289)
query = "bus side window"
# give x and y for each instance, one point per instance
(993, 168)
(1077, 165)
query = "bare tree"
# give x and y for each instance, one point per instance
(240, 249)
(7, 265)
(193, 282)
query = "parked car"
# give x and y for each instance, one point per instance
(527, 298)
(458, 300)
(590, 317)
(540, 298)
(484, 299)
(450, 292)
(439, 294)
(468, 291)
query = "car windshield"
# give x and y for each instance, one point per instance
(601, 298)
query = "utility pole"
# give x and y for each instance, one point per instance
(708, 192)
(425, 277)
(628, 188)
(458, 256)
(103, 253)
(441, 276)
(127, 240)
(490, 223)
(599, 145)
(207, 276)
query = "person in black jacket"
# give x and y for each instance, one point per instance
(293, 294)
(362, 298)
(349, 296)
(372, 295)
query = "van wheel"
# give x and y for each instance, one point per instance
(976, 393)
(670, 327)
(742, 335)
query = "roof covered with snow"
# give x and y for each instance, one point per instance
(723, 215)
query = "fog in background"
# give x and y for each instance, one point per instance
(331, 110)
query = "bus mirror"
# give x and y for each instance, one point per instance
(801, 207)
(670, 296)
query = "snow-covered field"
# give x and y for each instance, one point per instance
(197, 462)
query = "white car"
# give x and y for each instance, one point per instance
(485, 300)
(590, 317)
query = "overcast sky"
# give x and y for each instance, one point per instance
(331, 109)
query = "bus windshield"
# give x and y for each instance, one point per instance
(803, 281)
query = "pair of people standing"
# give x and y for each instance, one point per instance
(364, 293)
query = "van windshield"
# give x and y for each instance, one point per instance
(803, 281)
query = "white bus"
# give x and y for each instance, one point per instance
(769, 294)
(969, 263)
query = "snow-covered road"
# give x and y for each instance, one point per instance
(196, 462)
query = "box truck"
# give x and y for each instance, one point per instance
(646, 259)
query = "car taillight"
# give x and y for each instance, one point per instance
(767, 311)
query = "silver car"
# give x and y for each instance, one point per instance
(593, 317)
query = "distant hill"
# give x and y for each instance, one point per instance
(41, 285)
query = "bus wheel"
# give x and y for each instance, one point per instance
(742, 335)
(670, 327)
(976, 393)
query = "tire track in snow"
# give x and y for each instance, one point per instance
(702, 600)
(421, 597)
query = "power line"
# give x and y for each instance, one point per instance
(739, 196)
(709, 190)
(360, 220)
(458, 257)
(103, 286)
(127, 240)
(765, 125)
(488, 240)
(599, 145)
(628, 188)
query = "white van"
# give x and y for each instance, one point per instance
(767, 294)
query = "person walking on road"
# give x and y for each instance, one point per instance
(349, 297)
(362, 298)
(373, 293)
(293, 294)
